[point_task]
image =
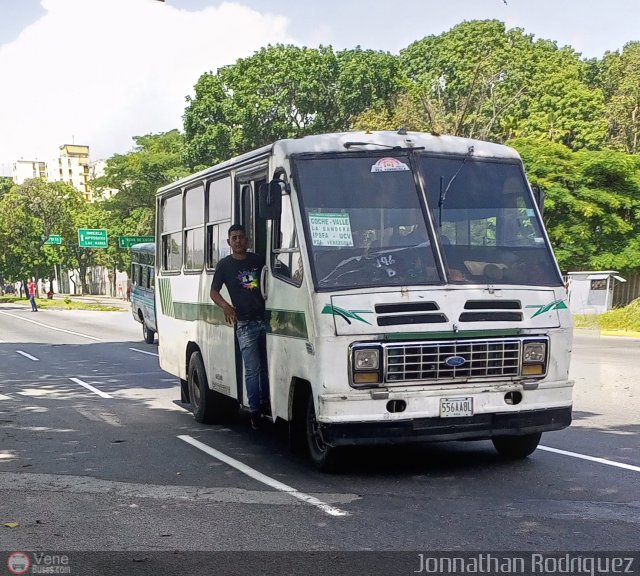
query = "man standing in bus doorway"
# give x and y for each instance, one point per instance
(33, 290)
(240, 273)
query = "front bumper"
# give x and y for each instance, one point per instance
(478, 427)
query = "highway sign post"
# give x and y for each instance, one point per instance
(92, 238)
(54, 239)
(128, 241)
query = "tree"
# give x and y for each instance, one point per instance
(482, 81)
(279, 92)
(156, 160)
(29, 214)
(619, 79)
(467, 79)
(367, 80)
(592, 208)
(5, 185)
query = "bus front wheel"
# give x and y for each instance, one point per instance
(516, 447)
(323, 456)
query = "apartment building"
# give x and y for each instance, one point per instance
(70, 166)
(25, 169)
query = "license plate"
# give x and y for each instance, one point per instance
(456, 407)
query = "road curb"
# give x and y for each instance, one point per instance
(625, 333)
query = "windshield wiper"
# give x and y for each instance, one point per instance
(350, 144)
(443, 193)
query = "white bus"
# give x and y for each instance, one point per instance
(143, 278)
(411, 292)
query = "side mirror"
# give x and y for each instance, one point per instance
(538, 194)
(270, 199)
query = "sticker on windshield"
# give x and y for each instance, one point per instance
(330, 229)
(389, 165)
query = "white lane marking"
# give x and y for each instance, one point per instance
(143, 352)
(263, 478)
(89, 387)
(591, 458)
(28, 356)
(53, 327)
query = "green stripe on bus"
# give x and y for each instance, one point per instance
(286, 323)
(191, 312)
(166, 300)
(279, 322)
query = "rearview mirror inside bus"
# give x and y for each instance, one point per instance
(270, 200)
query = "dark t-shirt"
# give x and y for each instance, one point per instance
(242, 279)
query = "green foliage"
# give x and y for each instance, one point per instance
(592, 208)
(619, 78)
(483, 81)
(5, 185)
(29, 214)
(626, 319)
(284, 92)
(156, 160)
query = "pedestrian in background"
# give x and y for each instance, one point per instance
(32, 287)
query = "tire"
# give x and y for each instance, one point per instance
(184, 391)
(323, 456)
(149, 335)
(208, 407)
(297, 424)
(516, 447)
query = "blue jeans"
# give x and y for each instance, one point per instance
(32, 299)
(252, 338)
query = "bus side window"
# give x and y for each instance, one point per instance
(171, 230)
(213, 245)
(218, 220)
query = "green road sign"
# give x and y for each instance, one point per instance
(92, 238)
(54, 239)
(128, 241)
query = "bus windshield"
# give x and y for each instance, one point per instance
(487, 222)
(366, 225)
(364, 222)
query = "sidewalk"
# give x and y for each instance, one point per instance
(96, 299)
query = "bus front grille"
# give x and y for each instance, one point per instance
(452, 360)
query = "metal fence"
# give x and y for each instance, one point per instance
(625, 292)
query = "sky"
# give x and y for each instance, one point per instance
(98, 72)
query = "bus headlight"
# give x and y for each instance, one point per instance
(534, 358)
(366, 366)
(366, 359)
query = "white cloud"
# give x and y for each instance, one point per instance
(102, 71)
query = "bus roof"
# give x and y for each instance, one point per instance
(358, 141)
(144, 247)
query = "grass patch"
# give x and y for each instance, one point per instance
(60, 304)
(624, 319)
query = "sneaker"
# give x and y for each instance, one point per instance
(265, 409)
(255, 420)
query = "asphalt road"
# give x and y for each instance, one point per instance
(95, 454)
